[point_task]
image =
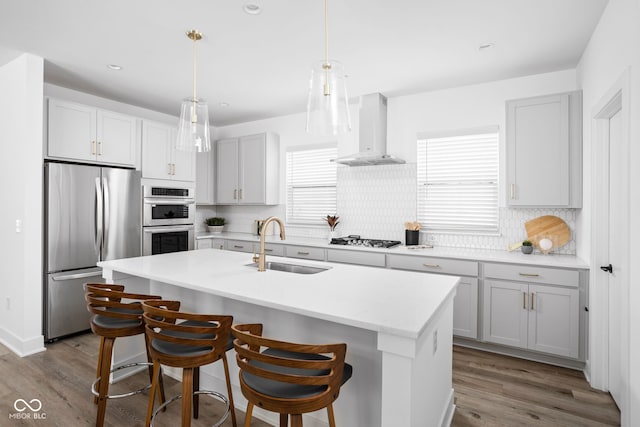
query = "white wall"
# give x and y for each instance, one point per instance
(613, 48)
(383, 214)
(21, 174)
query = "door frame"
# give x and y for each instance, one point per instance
(614, 99)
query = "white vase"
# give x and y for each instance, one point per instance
(216, 229)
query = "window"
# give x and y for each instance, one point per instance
(458, 181)
(311, 184)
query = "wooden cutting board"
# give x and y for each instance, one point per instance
(548, 226)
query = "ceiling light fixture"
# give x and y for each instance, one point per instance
(193, 128)
(252, 8)
(328, 102)
(485, 46)
(114, 67)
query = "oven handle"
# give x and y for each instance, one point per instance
(167, 229)
(169, 202)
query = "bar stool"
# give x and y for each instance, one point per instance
(113, 318)
(187, 341)
(288, 378)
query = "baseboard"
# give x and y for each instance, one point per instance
(125, 373)
(20, 346)
(447, 416)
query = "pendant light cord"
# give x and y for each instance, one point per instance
(195, 40)
(327, 65)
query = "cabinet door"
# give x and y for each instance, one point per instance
(116, 138)
(204, 178)
(505, 313)
(184, 162)
(156, 150)
(538, 150)
(465, 308)
(252, 169)
(227, 171)
(204, 244)
(72, 131)
(553, 320)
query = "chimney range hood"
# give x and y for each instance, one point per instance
(373, 134)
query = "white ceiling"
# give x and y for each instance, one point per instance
(260, 64)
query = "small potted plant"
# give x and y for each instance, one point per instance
(215, 224)
(332, 222)
(527, 247)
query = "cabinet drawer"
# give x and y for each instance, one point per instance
(306, 252)
(239, 246)
(433, 265)
(356, 257)
(271, 249)
(532, 274)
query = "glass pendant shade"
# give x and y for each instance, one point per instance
(328, 102)
(193, 128)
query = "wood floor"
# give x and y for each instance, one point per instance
(491, 390)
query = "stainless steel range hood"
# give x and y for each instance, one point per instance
(373, 134)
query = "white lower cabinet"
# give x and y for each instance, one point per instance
(305, 252)
(210, 243)
(532, 316)
(239, 246)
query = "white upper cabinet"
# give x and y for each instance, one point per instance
(544, 151)
(81, 132)
(205, 178)
(247, 170)
(160, 159)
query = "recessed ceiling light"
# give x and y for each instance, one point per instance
(114, 67)
(224, 104)
(485, 46)
(252, 8)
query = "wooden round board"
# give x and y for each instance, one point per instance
(548, 226)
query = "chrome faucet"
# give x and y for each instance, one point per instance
(260, 258)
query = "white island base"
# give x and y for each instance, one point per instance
(397, 326)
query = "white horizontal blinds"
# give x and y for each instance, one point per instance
(458, 182)
(311, 185)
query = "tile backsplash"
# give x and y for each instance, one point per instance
(376, 201)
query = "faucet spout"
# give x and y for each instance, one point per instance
(261, 255)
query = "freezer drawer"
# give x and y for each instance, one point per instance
(65, 307)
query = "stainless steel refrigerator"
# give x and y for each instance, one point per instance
(92, 213)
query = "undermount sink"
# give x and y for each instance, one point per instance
(291, 268)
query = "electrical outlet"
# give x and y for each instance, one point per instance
(435, 341)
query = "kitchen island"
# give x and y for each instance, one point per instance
(397, 325)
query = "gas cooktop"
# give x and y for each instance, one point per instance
(355, 240)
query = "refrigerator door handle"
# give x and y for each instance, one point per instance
(106, 237)
(74, 276)
(98, 218)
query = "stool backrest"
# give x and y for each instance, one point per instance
(207, 333)
(322, 371)
(110, 300)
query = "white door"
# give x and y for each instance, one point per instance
(618, 278)
(227, 171)
(156, 150)
(116, 138)
(252, 162)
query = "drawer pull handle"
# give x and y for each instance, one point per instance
(238, 246)
(524, 300)
(303, 253)
(529, 274)
(533, 296)
(432, 265)
(268, 250)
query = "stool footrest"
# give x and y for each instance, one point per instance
(118, 396)
(219, 396)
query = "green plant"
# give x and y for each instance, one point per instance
(214, 221)
(527, 243)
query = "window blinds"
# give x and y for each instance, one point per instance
(458, 182)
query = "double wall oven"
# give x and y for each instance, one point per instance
(168, 218)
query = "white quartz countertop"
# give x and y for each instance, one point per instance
(480, 255)
(382, 300)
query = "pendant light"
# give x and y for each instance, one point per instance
(328, 102)
(193, 128)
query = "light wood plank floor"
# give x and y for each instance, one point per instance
(491, 390)
(495, 390)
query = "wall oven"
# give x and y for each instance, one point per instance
(168, 217)
(168, 206)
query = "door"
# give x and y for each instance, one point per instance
(122, 217)
(227, 171)
(618, 279)
(252, 163)
(72, 131)
(72, 232)
(156, 150)
(505, 313)
(116, 138)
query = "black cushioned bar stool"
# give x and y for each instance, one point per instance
(116, 314)
(288, 378)
(187, 341)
